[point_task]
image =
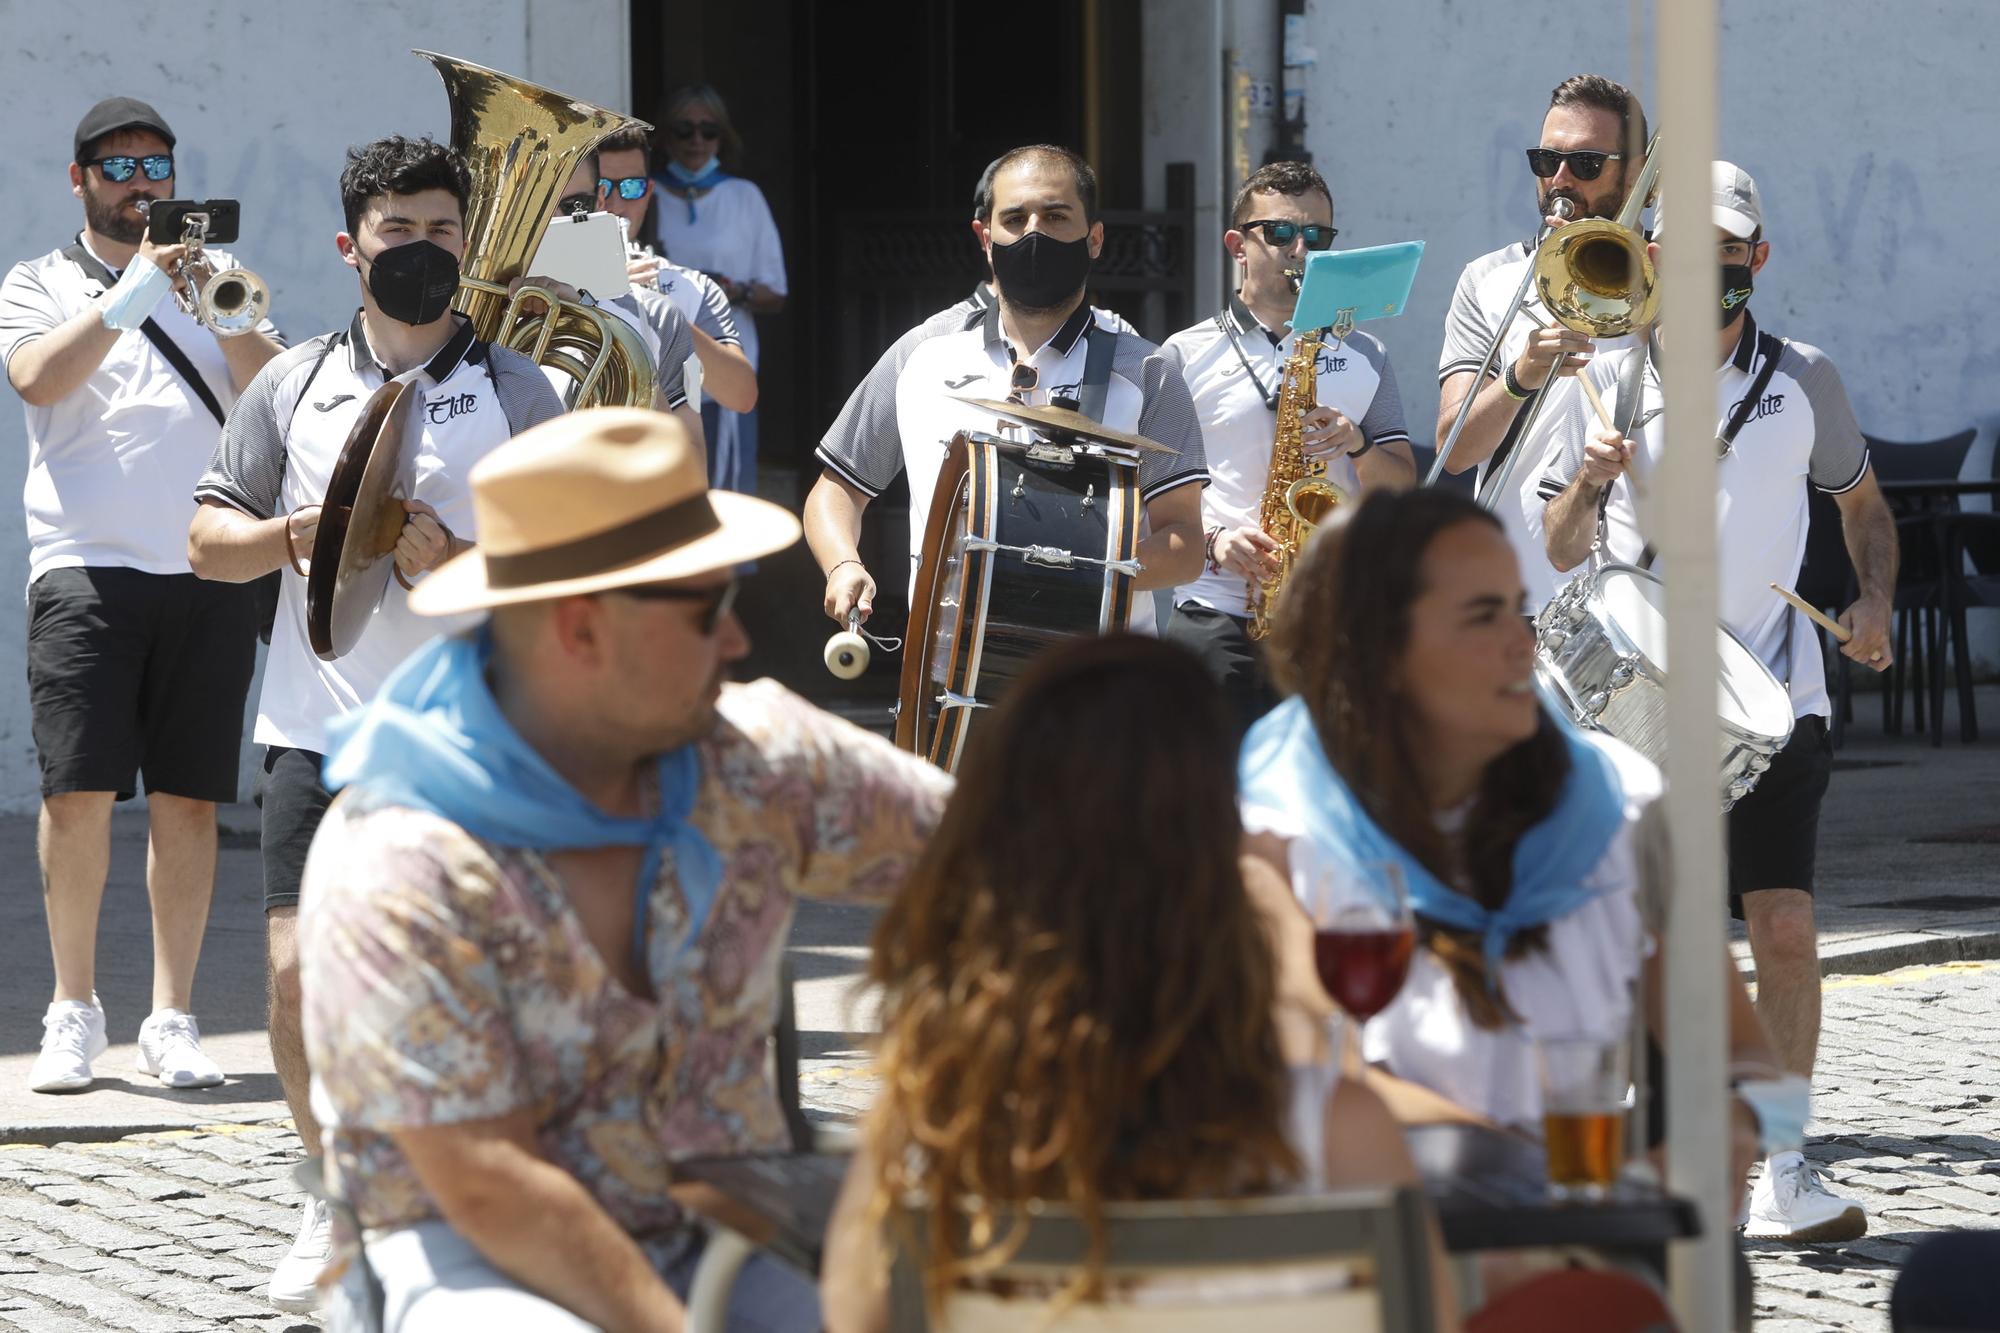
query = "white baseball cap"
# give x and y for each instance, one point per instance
(1737, 207)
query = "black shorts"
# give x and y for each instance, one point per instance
(135, 675)
(1772, 831)
(1233, 658)
(294, 802)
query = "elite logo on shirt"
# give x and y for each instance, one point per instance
(441, 410)
(1769, 406)
(1327, 363)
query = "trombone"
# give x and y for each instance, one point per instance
(228, 304)
(1592, 276)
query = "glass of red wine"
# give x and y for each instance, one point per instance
(1363, 933)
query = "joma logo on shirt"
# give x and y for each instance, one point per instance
(1769, 406)
(441, 410)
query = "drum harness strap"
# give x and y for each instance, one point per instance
(1095, 386)
(1631, 383)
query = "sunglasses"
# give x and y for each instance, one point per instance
(688, 129)
(120, 166)
(718, 601)
(1584, 164)
(573, 204)
(625, 187)
(1284, 233)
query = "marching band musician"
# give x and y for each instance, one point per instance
(1587, 156)
(668, 334)
(404, 202)
(135, 667)
(1040, 232)
(1783, 424)
(1234, 364)
(625, 190)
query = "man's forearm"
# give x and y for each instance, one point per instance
(1871, 545)
(544, 1230)
(1386, 467)
(1493, 410)
(1570, 521)
(726, 375)
(48, 369)
(832, 523)
(1171, 554)
(230, 546)
(246, 354)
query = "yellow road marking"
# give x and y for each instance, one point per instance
(1901, 975)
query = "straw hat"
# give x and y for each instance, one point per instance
(592, 500)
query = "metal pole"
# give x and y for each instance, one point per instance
(1684, 527)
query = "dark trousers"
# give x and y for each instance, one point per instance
(1233, 658)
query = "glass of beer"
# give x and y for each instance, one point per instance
(1585, 1091)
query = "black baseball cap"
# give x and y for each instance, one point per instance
(117, 113)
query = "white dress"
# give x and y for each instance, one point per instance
(1583, 983)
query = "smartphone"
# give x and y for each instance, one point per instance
(166, 221)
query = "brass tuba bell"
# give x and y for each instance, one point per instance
(520, 143)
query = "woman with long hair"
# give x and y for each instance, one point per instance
(1079, 1001)
(1414, 735)
(711, 219)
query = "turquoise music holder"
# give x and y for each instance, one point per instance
(1344, 287)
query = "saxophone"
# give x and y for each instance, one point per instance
(1298, 497)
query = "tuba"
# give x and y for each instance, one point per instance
(1297, 497)
(520, 143)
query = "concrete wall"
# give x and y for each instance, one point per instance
(1869, 129)
(265, 98)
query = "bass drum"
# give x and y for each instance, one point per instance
(1028, 544)
(1601, 650)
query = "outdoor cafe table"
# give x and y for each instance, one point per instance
(1486, 1185)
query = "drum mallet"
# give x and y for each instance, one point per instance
(1840, 632)
(847, 652)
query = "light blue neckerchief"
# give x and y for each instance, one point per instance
(684, 182)
(1284, 766)
(434, 739)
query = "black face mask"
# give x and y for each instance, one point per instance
(1039, 272)
(1736, 289)
(413, 283)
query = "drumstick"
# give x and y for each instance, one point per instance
(1840, 632)
(1597, 404)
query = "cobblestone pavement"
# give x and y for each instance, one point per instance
(176, 1233)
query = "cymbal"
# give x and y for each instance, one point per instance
(1063, 421)
(359, 522)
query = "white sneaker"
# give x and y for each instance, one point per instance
(1791, 1203)
(170, 1050)
(295, 1281)
(72, 1036)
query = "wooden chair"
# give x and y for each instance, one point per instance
(1331, 1263)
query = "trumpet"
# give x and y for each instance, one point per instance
(229, 303)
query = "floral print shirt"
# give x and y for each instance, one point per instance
(447, 980)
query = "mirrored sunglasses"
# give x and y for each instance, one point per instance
(625, 187)
(1284, 233)
(1584, 164)
(120, 166)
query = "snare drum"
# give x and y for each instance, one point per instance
(1601, 648)
(1028, 543)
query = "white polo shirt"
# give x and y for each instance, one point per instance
(1802, 431)
(101, 459)
(699, 298)
(277, 454)
(1484, 290)
(1235, 368)
(903, 415)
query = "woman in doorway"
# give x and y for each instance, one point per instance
(712, 220)
(1079, 1001)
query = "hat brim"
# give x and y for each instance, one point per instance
(750, 528)
(1740, 225)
